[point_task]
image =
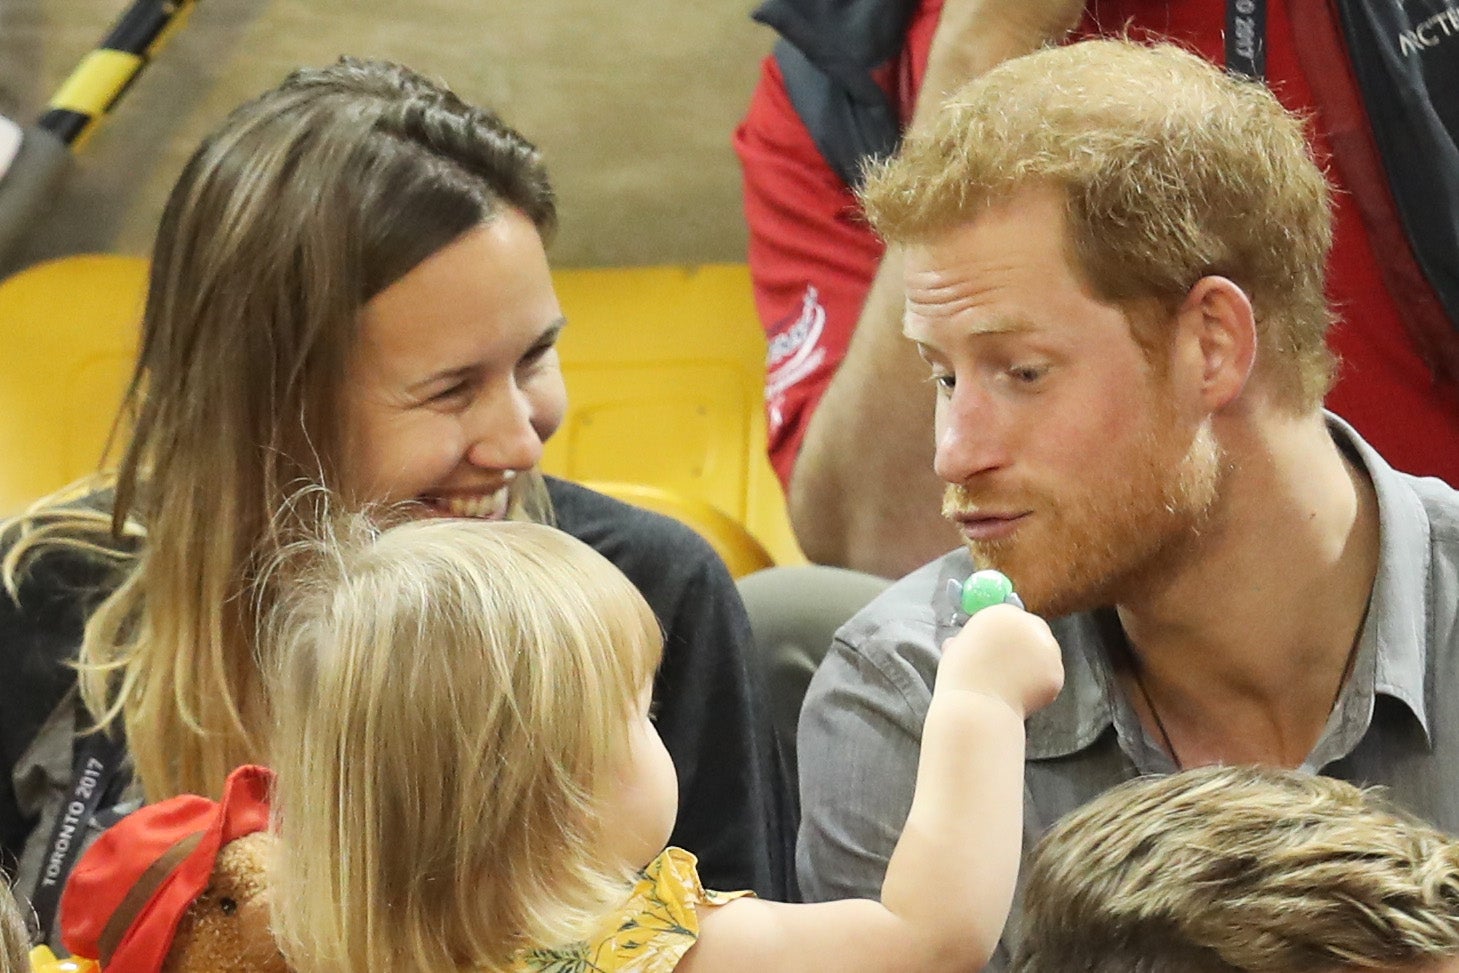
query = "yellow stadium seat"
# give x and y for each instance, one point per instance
(665, 373)
(663, 367)
(68, 330)
(731, 540)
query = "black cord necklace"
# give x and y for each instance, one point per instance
(1155, 715)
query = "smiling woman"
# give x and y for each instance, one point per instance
(454, 384)
(349, 290)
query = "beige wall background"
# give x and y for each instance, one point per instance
(633, 102)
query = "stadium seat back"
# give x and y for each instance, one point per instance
(68, 330)
(663, 367)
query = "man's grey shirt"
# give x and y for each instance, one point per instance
(1396, 722)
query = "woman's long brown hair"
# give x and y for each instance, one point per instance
(302, 206)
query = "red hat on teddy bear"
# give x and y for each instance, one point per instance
(129, 891)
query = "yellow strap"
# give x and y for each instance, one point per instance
(96, 81)
(182, 9)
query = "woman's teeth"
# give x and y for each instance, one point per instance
(479, 505)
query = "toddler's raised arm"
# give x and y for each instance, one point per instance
(950, 881)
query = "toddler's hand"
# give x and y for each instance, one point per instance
(1005, 652)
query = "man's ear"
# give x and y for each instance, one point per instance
(1216, 333)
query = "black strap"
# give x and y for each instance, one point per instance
(98, 758)
(852, 124)
(1405, 58)
(828, 53)
(848, 129)
(1246, 38)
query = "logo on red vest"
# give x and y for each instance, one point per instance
(795, 351)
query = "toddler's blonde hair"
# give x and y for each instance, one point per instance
(451, 697)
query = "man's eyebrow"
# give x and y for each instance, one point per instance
(1005, 324)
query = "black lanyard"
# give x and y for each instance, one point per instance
(98, 757)
(1246, 38)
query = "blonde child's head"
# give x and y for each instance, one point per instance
(452, 703)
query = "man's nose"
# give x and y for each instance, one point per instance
(972, 436)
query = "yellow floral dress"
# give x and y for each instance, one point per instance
(42, 960)
(650, 934)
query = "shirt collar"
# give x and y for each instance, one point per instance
(1392, 646)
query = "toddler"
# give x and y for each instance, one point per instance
(469, 776)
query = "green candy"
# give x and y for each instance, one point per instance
(985, 588)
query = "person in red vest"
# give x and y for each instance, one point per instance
(849, 420)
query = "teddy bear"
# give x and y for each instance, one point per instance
(179, 886)
(226, 929)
